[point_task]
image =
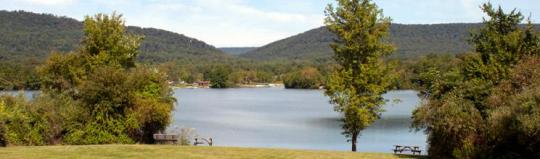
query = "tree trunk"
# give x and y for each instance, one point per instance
(354, 136)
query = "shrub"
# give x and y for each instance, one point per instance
(306, 78)
(23, 125)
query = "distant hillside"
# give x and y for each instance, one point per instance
(30, 35)
(236, 50)
(410, 40)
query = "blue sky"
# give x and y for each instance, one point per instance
(258, 22)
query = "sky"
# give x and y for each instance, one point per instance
(236, 23)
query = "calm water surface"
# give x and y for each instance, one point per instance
(284, 118)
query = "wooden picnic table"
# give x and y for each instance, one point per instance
(401, 148)
(199, 141)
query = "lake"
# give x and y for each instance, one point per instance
(28, 94)
(288, 118)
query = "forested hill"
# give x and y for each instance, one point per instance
(29, 35)
(410, 41)
(236, 50)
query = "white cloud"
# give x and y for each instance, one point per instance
(253, 12)
(50, 2)
(239, 9)
(223, 22)
(472, 8)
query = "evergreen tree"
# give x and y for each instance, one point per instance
(357, 85)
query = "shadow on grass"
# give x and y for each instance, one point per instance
(411, 156)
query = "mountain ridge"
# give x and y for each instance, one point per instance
(410, 40)
(35, 35)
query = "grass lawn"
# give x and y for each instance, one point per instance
(183, 152)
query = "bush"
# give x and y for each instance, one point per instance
(307, 78)
(3, 139)
(23, 125)
(489, 107)
(39, 121)
(95, 95)
(124, 107)
(219, 77)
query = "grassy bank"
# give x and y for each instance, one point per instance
(183, 152)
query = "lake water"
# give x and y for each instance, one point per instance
(285, 118)
(27, 94)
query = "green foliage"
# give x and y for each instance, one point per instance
(248, 76)
(61, 72)
(306, 78)
(122, 104)
(32, 36)
(106, 43)
(22, 124)
(3, 138)
(484, 107)
(219, 77)
(18, 76)
(37, 122)
(411, 41)
(417, 74)
(105, 98)
(35, 35)
(357, 85)
(514, 110)
(236, 50)
(95, 95)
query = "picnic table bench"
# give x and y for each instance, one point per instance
(413, 149)
(166, 138)
(199, 141)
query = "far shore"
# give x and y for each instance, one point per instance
(257, 85)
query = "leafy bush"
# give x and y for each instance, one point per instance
(22, 124)
(3, 139)
(219, 77)
(306, 78)
(95, 95)
(39, 121)
(488, 106)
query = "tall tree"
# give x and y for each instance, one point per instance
(106, 42)
(357, 84)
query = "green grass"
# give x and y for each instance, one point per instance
(182, 152)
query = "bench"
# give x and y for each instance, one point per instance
(166, 138)
(413, 149)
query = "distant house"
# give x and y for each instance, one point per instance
(203, 84)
